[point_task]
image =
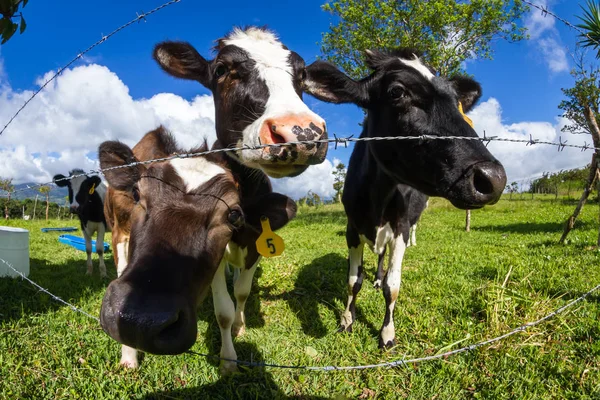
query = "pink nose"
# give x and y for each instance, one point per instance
(294, 128)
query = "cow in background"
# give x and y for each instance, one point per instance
(86, 199)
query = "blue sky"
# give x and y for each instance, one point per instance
(521, 85)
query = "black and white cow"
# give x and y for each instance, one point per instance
(403, 97)
(86, 199)
(256, 84)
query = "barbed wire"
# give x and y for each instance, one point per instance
(545, 11)
(104, 38)
(335, 140)
(41, 289)
(396, 363)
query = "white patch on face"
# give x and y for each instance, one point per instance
(76, 186)
(195, 171)
(382, 238)
(274, 68)
(419, 66)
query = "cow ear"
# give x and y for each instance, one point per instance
(95, 180)
(60, 180)
(116, 154)
(278, 208)
(468, 90)
(181, 60)
(327, 83)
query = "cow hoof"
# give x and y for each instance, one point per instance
(129, 364)
(227, 368)
(377, 284)
(238, 330)
(88, 272)
(345, 329)
(104, 276)
(387, 345)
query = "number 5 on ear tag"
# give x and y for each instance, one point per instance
(269, 244)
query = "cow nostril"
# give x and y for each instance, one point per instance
(276, 137)
(171, 330)
(482, 182)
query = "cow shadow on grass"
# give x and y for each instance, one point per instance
(323, 282)
(530, 227)
(66, 280)
(250, 383)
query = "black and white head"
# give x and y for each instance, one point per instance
(404, 97)
(257, 87)
(80, 187)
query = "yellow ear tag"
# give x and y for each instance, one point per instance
(269, 244)
(92, 188)
(469, 120)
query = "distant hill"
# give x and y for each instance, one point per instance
(57, 194)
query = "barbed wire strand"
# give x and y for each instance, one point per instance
(41, 289)
(396, 363)
(545, 11)
(139, 17)
(337, 140)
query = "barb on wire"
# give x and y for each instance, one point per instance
(103, 39)
(545, 12)
(41, 289)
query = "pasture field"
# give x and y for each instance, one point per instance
(457, 288)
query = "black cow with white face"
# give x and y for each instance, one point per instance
(256, 83)
(403, 97)
(86, 199)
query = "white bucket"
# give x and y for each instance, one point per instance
(14, 249)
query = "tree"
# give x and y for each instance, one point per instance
(10, 11)
(512, 188)
(582, 106)
(447, 32)
(8, 187)
(45, 190)
(339, 177)
(590, 24)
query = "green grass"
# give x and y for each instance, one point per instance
(457, 287)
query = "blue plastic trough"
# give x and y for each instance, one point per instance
(79, 242)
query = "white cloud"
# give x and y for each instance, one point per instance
(546, 39)
(63, 126)
(317, 178)
(521, 161)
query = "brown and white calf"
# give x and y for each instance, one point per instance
(403, 97)
(86, 197)
(186, 219)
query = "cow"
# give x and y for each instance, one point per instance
(187, 219)
(403, 97)
(256, 84)
(86, 199)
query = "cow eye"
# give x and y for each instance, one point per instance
(236, 218)
(136, 194)
(220, 70)
(397, 92)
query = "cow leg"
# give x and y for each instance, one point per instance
(355, 277)
(379, 276)
(100, 250)
(128, 354)
(122, 255)
(391, 286)
(241, 291)
(225, 312)
(413, 235)
(88, 251)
